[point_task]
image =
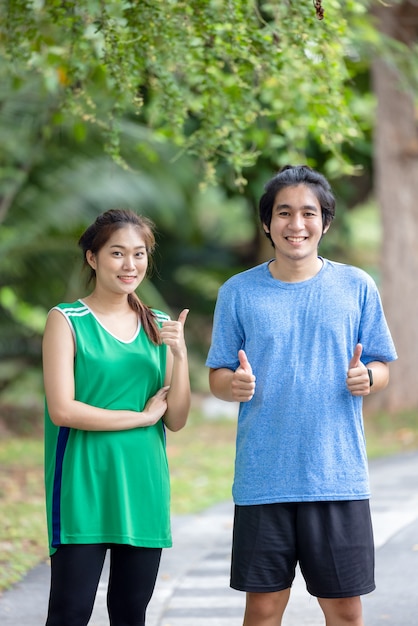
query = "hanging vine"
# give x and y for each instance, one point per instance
(319, 9)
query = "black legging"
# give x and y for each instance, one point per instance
(75, 575)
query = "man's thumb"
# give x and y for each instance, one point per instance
(244, 363)
(355, 359)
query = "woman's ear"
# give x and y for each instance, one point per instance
(91, 259)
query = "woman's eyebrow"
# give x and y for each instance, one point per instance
(118, 245)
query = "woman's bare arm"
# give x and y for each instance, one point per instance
(64, 410)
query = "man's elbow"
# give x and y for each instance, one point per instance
(214, 382)
(220, 384)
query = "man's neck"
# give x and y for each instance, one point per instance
(295, 272)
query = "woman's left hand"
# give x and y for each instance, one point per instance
(172, 334)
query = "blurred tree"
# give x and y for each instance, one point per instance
(395, 81)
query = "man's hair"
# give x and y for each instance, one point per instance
(289, 176)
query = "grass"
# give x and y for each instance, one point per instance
(201, 460)
(388, 434)
(22, 520)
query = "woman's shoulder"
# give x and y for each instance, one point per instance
(160, 316)
(70, 310)
(70, 307)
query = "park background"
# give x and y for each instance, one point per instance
(182, 111)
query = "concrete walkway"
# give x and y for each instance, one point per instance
(192, 588)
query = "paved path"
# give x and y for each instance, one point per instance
(192, 588)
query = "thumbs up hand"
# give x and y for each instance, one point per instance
(355, 359)
(243, 380)
(172, 334)
(357, 380)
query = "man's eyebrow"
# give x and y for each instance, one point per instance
(311, 207)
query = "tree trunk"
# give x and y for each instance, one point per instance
(396, 187)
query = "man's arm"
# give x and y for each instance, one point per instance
(380, 375)
(233, 386)
(358, 379)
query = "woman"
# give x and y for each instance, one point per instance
(115, 374)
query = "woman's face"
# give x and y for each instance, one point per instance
(121, 264)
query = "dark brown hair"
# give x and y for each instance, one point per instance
(96, 236)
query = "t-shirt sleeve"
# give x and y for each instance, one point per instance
(374, 333)
(227, 332)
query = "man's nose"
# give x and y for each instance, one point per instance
(296, 221)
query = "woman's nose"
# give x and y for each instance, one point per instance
(129, 262)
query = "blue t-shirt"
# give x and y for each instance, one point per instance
(301, 437)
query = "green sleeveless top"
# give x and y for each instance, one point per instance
(109, 486)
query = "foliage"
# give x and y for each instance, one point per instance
(201, 73)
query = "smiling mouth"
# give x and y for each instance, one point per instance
(296, 239)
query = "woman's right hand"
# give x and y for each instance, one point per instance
(156, 407)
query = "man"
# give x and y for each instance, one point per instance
(299, 341)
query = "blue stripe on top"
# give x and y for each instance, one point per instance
(63, 435)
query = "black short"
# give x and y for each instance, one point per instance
(332, 541)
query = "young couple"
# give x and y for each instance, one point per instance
(298, 341)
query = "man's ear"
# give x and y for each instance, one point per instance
(266, 228)
(91, 259)
(326, 228)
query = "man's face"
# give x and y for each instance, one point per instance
(296, 224)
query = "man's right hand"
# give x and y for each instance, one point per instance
(243, 380)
